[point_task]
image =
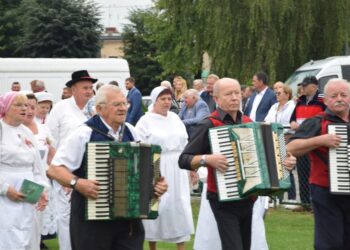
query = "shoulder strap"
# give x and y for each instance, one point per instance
(318, 153)
(100, 132)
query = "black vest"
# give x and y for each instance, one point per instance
(100, 133)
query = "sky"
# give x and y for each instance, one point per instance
(115, 12)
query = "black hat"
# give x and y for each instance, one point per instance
(81, 75)
(308, 80)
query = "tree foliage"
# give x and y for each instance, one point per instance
(140, 51)
(51, 28)
(10, 28)
(243, 37)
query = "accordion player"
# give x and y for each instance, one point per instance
(127, 173)
(255, 153)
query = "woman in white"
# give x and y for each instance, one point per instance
(44, 105)
(282, 110)
(19, 160)
(162, 127)
(45, 222)
(207, 235)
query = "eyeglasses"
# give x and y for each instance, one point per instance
(119, 104)
(278, 93)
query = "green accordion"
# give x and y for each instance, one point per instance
(255, 153)
(126, 173)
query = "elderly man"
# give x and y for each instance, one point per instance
(37, 86)
(198, 85)
(65, 116)
(68, 169)
(193, 111)
(234, 218)
(331, 211)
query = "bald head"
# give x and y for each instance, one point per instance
(223, 82)
(227, 95)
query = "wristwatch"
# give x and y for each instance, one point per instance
(202, 161)
(73, 182)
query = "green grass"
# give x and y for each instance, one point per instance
(285, 230)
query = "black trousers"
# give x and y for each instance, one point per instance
(303, 169)
(103, 235)
(234, 219)
(332, 219)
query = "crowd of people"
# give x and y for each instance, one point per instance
(44, 142)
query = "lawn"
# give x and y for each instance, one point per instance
(285, 230)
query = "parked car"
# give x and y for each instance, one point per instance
(323, 70)
(146, 101)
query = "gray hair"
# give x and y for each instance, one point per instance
(213, 76)
(166, 84)
(200, 81)
(192, 92)
(334, 81)
(101, 95)
(38, 83)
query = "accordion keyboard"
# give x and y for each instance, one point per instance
(339, 161)
(226, 182)
(99, 170)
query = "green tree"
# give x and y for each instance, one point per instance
(64, 28)
(242, 37)
(10, 28)
(140, 51)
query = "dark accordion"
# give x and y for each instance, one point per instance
(339, 160)
(255, 153)
(126, 173)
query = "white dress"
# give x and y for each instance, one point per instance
(175, 222)
(48, 223)
(19, 160)
(207, 235)
(44, 221)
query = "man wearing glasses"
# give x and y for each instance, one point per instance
(68, 169)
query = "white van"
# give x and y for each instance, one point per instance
(55, 72)
(331, 67)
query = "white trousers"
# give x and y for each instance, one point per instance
(258, 241)
(62, 200)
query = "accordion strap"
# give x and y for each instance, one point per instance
(101, 132)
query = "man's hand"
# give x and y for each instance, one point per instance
(88, 188)
(331, 140)
(294, 125)
(14, 195)
(161, 187)
(217, 161)
(290, 162)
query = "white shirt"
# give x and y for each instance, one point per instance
(64, 118)
(256, 103)
(282, 116)
(71, 154)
